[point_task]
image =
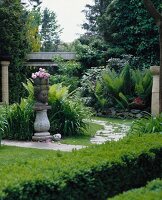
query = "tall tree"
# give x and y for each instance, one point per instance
(33, 34)
(158, 20)
(92, 13)
(14, 42)
(50, 31)
(125, 25)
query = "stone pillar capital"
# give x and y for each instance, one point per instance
(5, 63)
(155, 70)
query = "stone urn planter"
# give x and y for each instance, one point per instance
(41, 124)
(41, 87)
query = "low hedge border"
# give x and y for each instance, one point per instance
(93, 173)
(152, 191)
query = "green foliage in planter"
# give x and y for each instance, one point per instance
(67, 113)
(96, 172)
(147, 125)
(152, 191)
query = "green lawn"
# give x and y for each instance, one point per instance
(10, 155)
(83, 139)
(92, 129)
(114, 120)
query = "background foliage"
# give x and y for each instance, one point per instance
(14, 43)
(125, 27)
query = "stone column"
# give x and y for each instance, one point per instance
(155, 70)
(5, 87)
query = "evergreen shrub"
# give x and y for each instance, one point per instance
(152, 191)
(96, 173)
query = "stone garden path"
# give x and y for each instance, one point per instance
(110, 132)
(43, 145)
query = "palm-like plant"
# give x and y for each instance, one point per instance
(142, 84)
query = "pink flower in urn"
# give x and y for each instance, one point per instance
(34, 76)
(41, 74)
(42, 70)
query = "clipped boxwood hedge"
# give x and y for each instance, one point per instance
(93, 173)
(152, 191)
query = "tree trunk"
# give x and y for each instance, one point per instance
(158, 20)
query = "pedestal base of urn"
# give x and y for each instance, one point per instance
(42, 136)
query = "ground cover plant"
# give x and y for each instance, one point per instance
(96, 172)
(152, 191)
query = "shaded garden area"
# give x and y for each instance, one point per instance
(109, 81)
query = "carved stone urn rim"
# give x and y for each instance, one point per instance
(41, 81)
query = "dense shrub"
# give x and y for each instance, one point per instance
(19, 120)
(152, 191)
(106, 88)
(97, 172)
(91, 52)
(67, 112)
(67, 73)
(3, 122)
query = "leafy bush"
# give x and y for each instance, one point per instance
(118, 63)
(3, 122)
(67, 113)
(18, 119)
(152, 191)
(97, 172)
(149, 124)
(91, 52)
(106, 88)
(67, 73)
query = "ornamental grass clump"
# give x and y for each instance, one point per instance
(18, 119)
(148, 124)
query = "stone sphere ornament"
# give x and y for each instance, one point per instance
(57, 137)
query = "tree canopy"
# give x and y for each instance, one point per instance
(125, 25)
(50, 31)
